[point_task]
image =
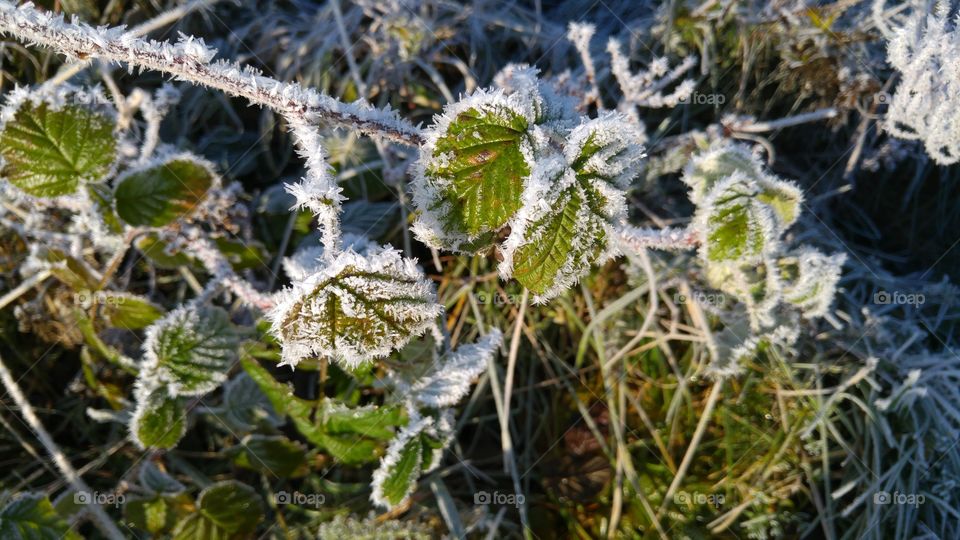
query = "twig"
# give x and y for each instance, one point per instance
(509, 459)
(190, 60)
(97, 514)
(22, 288)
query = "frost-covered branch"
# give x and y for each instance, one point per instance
(191, 60)
(644, 88)
(668, 238)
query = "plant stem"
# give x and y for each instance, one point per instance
(97, 514)
(190, 60)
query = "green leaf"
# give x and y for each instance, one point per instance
(562, 245)
(71, 271)
(128, 311)
(48, 152)
(360, 307)
(32, 516)
(783, 197)
(245, 406)
(810, 279)
(398, 473)
(474, 172)
(274, 455)
(153, 515)
(192, 349)
(159, 420)
(162, 194)
(373, 421)
(352, 448)
(738, 227)
(156, 250)
(154, 480)
(232, 506)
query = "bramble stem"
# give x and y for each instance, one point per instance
(190, 60)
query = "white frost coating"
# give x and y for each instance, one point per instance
(415, 426)
(620, 154)
(601, 157)
(428, 188)
(146, 389)
(580, 35)
(221, 271)
(308, 260)
(318, 191)
(449, 379)
(925, 105)
(401, 292)
(186, 319)
(816, 285)
(645, 88)
(667, 239)
(190, 60)
(551, 108)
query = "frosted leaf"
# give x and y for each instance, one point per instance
(50, 144)
(570, 204)
(155, 481)
(159, 419)
(735, 226)
(451, 375)
(549, 106)
(810, 279)
(164, 190)
(722, 160)
(755, 284)
(33, 516)
(357, 308)
(396, 477)
(309, 259)
(191, 349)
(470, 177)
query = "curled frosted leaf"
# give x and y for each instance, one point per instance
(569, 205)
(50, 144)
(450, 376)
(810, 280)
(606, 149)
(400, 468)
(357, 308)
(472, 169)
(164, 191)
(159, 420)
(191, 349)
(735, 226)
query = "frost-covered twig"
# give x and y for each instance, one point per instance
(191, 60)
(99, 517)
(750, 125)
(167, 17)
(644, 88)
(222, 273)
(669, 238)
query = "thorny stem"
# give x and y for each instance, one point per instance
(190, 61)
(97, 514)
(668, 238)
